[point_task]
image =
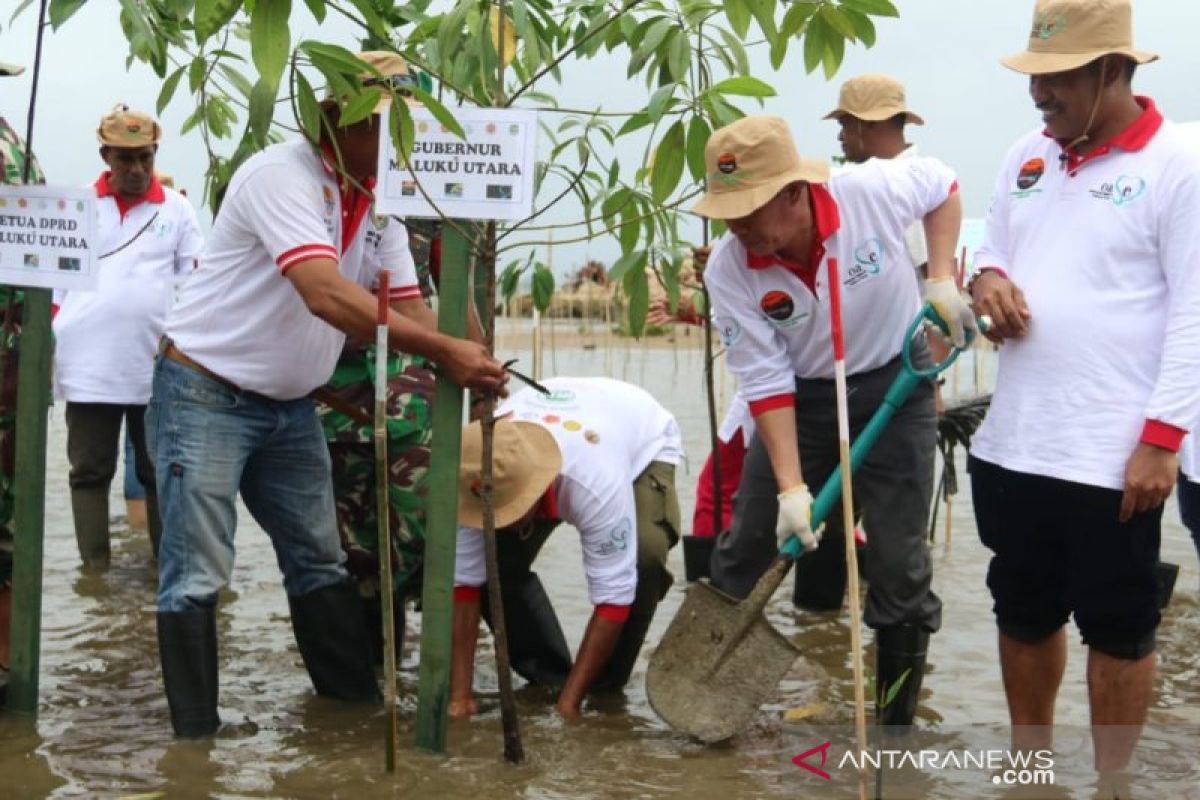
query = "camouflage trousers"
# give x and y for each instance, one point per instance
(352, 452)
(10, 331)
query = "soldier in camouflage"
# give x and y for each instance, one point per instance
(345, 406)
(12, 171)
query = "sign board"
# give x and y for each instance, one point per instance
(46, 236)
(488, 175)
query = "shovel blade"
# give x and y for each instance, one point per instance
(703, 680)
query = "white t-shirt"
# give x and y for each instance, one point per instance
(775, 328)
(106, 338)
(608, 432)
(238, 315)
(1109, 262)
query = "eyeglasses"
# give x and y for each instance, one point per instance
(400, 84)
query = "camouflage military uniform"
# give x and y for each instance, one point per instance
(12, 167)
(346, 406)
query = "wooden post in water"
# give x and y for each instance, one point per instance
(29, 480)
(437, 598)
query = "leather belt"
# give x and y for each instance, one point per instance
(169, 350)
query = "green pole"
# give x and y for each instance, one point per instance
(437, 599)
(29, 488)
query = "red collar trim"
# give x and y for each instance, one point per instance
(548, 506)
(827, 219)
(1133, 138)
(154, 194)
(355, 204)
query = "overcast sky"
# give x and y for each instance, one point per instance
(945, 51)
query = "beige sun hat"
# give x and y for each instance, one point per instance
(10, 69)
(750, 161)
(525, 461)
(1067, 34)
(124, 127)
(394, 70)
(872, 98)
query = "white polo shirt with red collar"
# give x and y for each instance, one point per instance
(1106, 249)
(774, 316)
(106, 338)
(608, 432)
(238, 315)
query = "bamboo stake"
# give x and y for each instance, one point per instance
(843, 414)
(383, 524)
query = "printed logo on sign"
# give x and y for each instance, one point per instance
(730, 330)
(1030, 173)
(1121, 192)
(801, 760)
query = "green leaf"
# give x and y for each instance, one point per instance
(735, 48)
(509, 279)
(627, 234)
(635, 122)
(655, 34)
(360, 107)
(637, 290)
(814, 44)
(317, 9)
(744, 85)
(62, 10)
(308, 107)
(402, 130)
(542, 287)
(894, 689)
(680, 58)
(864, 28)
(623, 264)
(764, 13)
(878, 8)
(239, 80)
(262, 110)
(270, 40)
(332, 58)
(211, 16)
(375, 23)
(658, 102)
(137, 19)
(779, 51)
(697, 137)
(439, 111)
(836, 20)
(794, 19)
(168, 90)
(668, 163)
(834, 53)
(196, 71)
(738, 13)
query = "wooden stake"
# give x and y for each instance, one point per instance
(383, 524)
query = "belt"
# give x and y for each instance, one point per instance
(168, 350)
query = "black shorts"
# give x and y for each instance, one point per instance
(1060, 550)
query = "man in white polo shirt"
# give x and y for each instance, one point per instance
(1089, 270)
(769, 286)
(597, 454)
(258, 327)
(147, 239)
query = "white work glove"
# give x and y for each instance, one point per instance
(795, 512)
(952, 306)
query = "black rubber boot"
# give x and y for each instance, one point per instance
(187, 646)
(372, 608)
(899, 654)
(332, 636)
(821, 577)
(652, 586)
(537, 648)
(697, 557)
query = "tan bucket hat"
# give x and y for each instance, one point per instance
(525, 461)
(124, 127)
(750, 161)
(1070, 33)
(394, 70)
(872, 98)
(10, 69)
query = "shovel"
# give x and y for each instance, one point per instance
(720, 659)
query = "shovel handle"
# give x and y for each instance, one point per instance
(897, 394)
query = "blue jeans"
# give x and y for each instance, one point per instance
(1189, 508)
(209, 442)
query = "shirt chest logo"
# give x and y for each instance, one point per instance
(869, 258)
(780, 309)
(1122, 192)
(1028, 176)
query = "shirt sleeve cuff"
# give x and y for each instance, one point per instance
(612, 613)
(761, 406)
(1163, 434)
(290, 258)
(467, 594)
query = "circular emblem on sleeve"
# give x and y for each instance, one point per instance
(1031, 172)
(777, 305)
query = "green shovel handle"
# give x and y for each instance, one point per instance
(897, 394)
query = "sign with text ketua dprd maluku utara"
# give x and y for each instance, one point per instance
(47, 235)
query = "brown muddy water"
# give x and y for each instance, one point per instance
(103, 731)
